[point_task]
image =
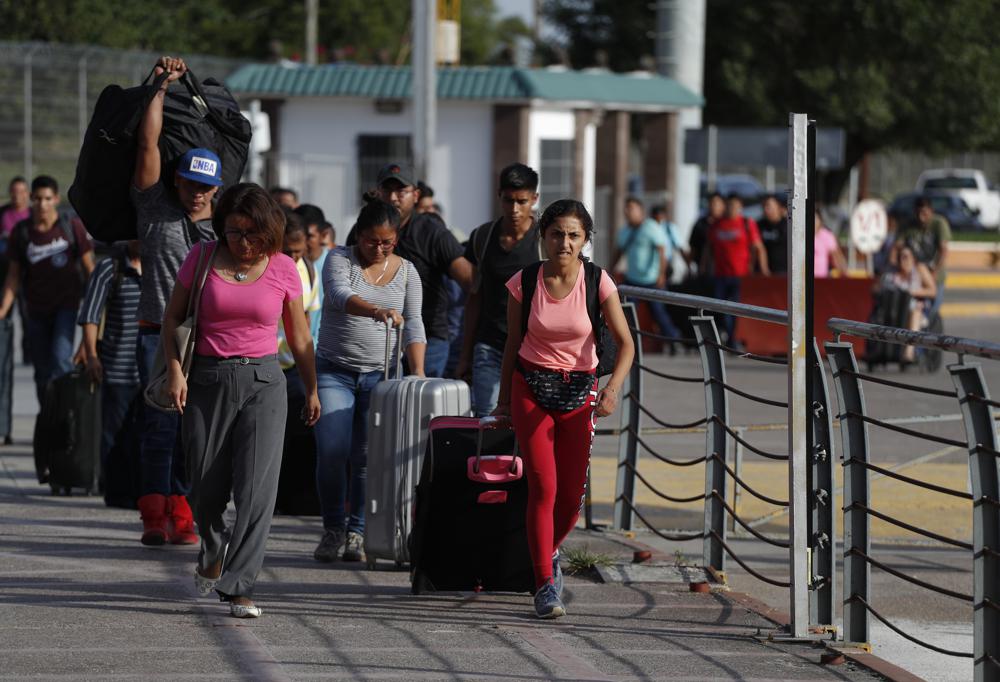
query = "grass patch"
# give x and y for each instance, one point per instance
(582, 560)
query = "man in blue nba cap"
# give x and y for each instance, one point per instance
(172, 214)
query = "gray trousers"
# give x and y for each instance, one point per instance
(233, 433)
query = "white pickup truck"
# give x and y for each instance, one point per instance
(968, 183)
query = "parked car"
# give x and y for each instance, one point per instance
(960, 217)
(969, 184)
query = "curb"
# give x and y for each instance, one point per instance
(781, 619)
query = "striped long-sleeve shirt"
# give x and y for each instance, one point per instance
(121, 329)
(355, 342)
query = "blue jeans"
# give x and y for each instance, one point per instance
(728, 289)
(163, 470)
(486, 362)
(342, 444)
(50, 338)
(115, 401)
(436, 357)
(659, 312)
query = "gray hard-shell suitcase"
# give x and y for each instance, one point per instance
(399, 415)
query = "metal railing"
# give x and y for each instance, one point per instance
(971, 393)
(722, 438)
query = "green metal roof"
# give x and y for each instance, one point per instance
(462, 82)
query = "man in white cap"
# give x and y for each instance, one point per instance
(172, 214)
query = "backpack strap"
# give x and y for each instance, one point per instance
(529, 283)
(480, 242)
(67, 229)
(592, 274)
(23, 237)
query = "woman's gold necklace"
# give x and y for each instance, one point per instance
(382, 274)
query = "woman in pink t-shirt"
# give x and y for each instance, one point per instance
(233, 403)
(548, 385)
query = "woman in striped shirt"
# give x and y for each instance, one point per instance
(366, 287)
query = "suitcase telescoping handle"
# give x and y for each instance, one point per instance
(388, 349)
(487, 424)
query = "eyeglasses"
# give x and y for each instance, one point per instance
(379, 243)
(252, 238)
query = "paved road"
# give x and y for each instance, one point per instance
(81, 599)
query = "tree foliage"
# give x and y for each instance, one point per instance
(364, 31)
(916, 74)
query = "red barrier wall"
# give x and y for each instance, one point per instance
(846, 297)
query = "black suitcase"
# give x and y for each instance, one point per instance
(122, 468)
(6, 378)
(67, 442)
(297, 494)
(469, 531)
(891, 309)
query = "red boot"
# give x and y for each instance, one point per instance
(153, 509)
(181, 529)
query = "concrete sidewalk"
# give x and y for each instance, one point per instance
(82, 599)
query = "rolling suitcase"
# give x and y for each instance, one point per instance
(6, 378)
(398, 419)
(472, 499)
(67, 442)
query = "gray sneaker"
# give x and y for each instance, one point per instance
(547, 602)
(354, 550)
(329, 546)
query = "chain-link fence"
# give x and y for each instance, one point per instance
(47, 94)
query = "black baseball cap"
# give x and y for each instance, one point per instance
(396, 171)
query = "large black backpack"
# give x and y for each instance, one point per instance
(194, 115)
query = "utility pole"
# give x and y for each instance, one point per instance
(424, 87)
(680, 54)
(312, 30)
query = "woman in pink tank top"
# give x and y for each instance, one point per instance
(548, 384)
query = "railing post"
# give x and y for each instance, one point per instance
(713, 366)
(854, 445)
(630, 424)
(822, 528)
(984, 470)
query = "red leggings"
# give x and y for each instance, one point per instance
(555, 447)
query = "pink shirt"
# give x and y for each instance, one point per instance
(12, 217)
(824, 246)
(241, 319)
(559, 332)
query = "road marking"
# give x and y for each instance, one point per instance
(973, 310)
(973, 280)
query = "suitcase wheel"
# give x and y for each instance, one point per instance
(370, 563)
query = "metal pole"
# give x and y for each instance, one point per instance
(29, 152)
(738, 470)
(984, 472)
(312, 31)
(628, 444)
(799, 164)
(769, 178)
(713, 366)
(852, 201)
(424, 88)
(854, 437)
(822, 523)
(713, 158)
(81, 81)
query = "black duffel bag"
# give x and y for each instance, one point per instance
(195, 115)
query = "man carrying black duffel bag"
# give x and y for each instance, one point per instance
(172, 214)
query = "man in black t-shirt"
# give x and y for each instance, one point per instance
(498, 249)
(425, 241)
(773, 228)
